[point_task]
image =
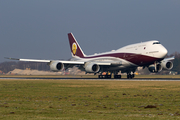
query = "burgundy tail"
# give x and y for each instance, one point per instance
(76, 50)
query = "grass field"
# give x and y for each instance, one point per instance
(89, 99)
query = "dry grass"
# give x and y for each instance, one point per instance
(89, 99)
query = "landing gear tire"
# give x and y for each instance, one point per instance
(109, 76)
(117, 76)
(104, 76)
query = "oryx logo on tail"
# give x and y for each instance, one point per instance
(74, 48)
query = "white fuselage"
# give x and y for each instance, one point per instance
(140, 54)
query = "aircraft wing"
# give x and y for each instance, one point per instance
(114, 63)
(30, 60)
(46, 61)
(168, 59)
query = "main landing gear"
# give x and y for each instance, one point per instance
(104, 76)
(109, 76)
(116, 76)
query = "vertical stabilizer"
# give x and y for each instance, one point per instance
(76, 50)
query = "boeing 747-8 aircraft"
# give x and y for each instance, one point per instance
(149, 54)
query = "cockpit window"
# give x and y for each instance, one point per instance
(156, 43)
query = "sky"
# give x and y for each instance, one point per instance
(38, 28)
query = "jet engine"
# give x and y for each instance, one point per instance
(56, 66)
(167, 65)
(155, 68)
(91, 68)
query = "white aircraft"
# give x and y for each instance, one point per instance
(149, 54)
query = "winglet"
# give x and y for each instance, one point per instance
(11, 58)
(76, 50)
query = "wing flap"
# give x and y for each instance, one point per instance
(111, 63)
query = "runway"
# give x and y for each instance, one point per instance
(80, 78)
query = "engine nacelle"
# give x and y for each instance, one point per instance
(167, 65)
(155, 69)
(91, 68)
(56, 66)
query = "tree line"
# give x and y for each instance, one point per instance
(11, 65)
(176, 62)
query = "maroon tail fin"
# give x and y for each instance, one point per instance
(76, 50)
